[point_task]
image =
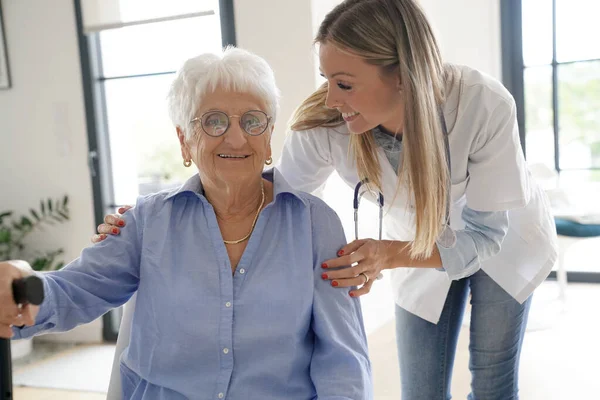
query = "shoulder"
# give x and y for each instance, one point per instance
(477, 108)
(482, 88)
(152, 203)
(321, 136)
(474, 97)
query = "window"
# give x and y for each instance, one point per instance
(562, 85)
(551, 64)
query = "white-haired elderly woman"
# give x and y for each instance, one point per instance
(227, 268)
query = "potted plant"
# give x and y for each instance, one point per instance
(14, 230)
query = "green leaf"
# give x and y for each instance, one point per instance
(35, 215)
(63, 214)
(26, 222)
(5, 236)
(17, 226)
(50, 205)
(42, 207)
(5, 214)
(65, 201)
(39, 264)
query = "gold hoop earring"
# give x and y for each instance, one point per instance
(187, 163)
(269, 161)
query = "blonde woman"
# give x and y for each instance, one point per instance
(461, 214)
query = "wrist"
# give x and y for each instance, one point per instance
(397, 254)
(22, 266)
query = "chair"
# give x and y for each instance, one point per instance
(571, 232)
(114, 387)
(572, 224)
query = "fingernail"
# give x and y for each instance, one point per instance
(115, 231)
(334, 283)
(121, 210)
(341, 253)
(121, 223)
(352, 294)
(324, 276)
(324, 265)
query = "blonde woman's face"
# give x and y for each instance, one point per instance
(360, 92)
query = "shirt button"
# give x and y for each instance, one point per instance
(242, 271)
(228, 304)
(225, 350)
(221, 395)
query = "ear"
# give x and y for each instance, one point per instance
(185, 151)
(271, 132)
(398, 85)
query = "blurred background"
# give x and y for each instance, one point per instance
(84, 129)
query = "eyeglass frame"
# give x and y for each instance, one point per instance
(201, 117)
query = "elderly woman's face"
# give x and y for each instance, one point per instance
(235, 156)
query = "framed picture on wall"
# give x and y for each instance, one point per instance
(4, 71)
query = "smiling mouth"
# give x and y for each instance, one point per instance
(350, 116)
(233, 156)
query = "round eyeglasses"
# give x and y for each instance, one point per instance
(216, 123)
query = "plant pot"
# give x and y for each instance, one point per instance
(20, 348)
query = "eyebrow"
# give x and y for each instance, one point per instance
(337, 73)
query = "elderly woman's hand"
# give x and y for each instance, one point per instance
(10, 313)
(368, 258)
(111, 225)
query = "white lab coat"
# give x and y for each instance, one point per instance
(489, 173)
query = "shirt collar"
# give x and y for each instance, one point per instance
(280, 186)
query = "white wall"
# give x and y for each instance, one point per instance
(43, 142)
(468, 32)
(281, 33)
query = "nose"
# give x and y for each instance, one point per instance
(235, 135)
(332, 100)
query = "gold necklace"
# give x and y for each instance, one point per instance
(262, 202)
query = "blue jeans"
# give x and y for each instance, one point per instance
(426, 351)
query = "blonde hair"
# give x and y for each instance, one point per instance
(395, 35)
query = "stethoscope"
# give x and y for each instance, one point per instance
(447, 238)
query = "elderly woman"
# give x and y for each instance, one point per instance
(230, 299)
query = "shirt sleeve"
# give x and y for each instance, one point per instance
(104, 277)
(481, 239)
(498, 178)
(306, 159)
(340, 366)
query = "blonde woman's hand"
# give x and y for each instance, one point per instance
(111, 226)
(10, 313)
(367, 258)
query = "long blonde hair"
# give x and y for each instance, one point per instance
(395, 35)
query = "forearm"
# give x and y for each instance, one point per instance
(398, 255)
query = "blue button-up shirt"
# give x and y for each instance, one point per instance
(273, 330)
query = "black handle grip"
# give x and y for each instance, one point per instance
(28, 290)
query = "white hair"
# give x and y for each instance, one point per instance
(233, 69)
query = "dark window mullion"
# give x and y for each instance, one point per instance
(577, 61)
(555, 118)
(112, 78)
